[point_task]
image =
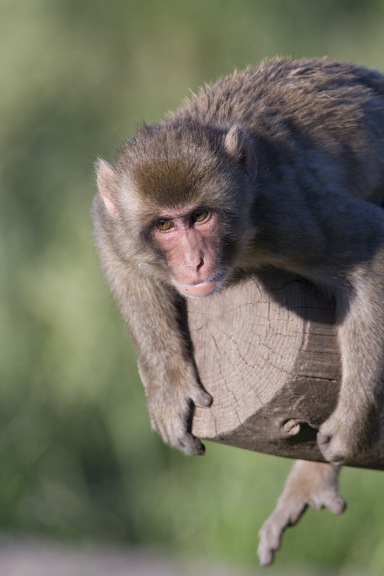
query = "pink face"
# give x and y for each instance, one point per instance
(189, 239)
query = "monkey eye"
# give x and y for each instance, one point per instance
(199, 215)
(163, 224)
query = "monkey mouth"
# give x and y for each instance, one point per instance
(202, 289)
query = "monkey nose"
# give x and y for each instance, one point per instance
(195, 265)
(201, 263)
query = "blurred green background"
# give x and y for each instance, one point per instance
(78, 460)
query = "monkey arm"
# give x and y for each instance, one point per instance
(150, 309)
(165, 364)
(309, 484)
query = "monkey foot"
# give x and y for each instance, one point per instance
(340, 438)
(309, 484)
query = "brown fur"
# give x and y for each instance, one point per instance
(290, 156)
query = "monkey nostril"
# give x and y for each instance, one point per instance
(200, 265)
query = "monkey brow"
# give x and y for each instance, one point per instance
(180, 211)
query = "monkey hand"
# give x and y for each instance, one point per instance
(309, 484)
(348, 432)
(171, 415)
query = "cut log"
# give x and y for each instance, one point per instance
(266, 349)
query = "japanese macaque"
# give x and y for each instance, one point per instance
(281, 167)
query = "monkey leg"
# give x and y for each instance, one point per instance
(309, 484)
(354, 426)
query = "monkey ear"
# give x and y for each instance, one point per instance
(238, 145)
(106, 182)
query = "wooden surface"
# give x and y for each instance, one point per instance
(267, 352)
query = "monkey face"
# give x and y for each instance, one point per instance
(189, 240)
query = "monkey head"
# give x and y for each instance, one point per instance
(181, 194)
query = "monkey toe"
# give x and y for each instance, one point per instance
(325, 447)
(322, 441)
(266, 556)
(327, 497)
(270, 537)
(269, 543)
(334, 448)
(336, 505)
(341, 439)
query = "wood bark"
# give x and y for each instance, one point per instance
(266, 349)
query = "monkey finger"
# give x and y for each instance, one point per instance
(202, 398)
(198, 395)
(191, 445)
